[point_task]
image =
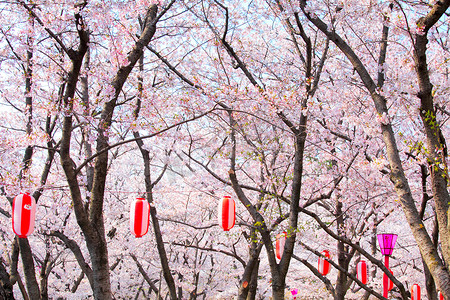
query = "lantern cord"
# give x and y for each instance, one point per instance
(110, 191)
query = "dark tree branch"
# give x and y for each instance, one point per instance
(145, 275)
(73, 246)
(211, 249)
(30, 10)
(107, 148)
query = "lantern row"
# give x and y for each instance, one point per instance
(24, 211)
(387, 243)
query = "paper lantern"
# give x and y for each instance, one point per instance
(440, 296)
(388, 282)
(139, 217)
(294, 293)
(23, 215)
(361, 271)
(227, 213)
(387, 243)
(279, 244)
(415, 292)
(324, 266)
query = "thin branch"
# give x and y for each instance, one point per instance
(322, 278)
(80, 167)
(145, 275)
(69, 52)
(234, 255)
(189, 225)
(73, 246)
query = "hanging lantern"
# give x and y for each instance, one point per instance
(361, 271)
(139, 217)
(227, 213)
(294, 293)
(387, 283)
(23, 215)
(387, 243)
(440, 296)
(279, 244)
(324, 266)
(415, 292)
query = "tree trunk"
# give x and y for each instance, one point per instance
(341, 282)
(28, 268)
(250, 271)
(278, 286)
(100, 268)
(6, 288)
(253, 286)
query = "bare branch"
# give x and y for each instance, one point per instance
(73, 246)
(234, 255)
(145, 275)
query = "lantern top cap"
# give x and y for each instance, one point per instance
(227, 196)
(140, 198)
(387, 242)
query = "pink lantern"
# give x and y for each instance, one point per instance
(361, 271)
(294, 293)
(139, 217)
(23, 215)
(279, 244)
(324, 266)
(227, 213)
(387, 243)
(415, 292)
(440, 296)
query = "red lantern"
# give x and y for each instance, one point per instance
(440, 296)
(324, 266)
(388, 282)
(227, 213)
(23, 215)
(361, 271)
(415, 292)
(281, 240)
(139, 217)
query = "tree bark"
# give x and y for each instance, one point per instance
(253, 286)
(434, 137)
(247, 284)
(341, 281)
(28, 268)
(6, 288)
